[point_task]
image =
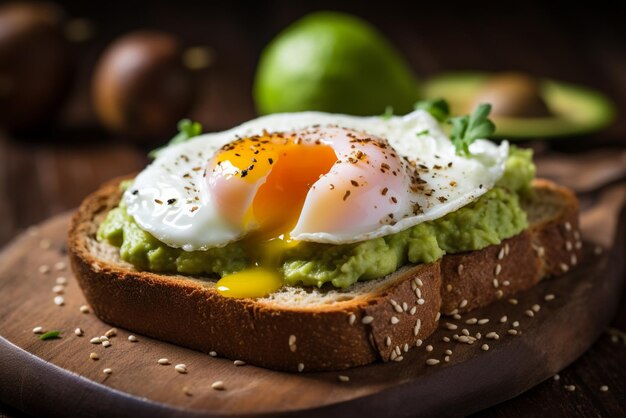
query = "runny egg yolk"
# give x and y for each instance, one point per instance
(260, 184)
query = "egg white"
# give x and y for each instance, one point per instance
(191, 220)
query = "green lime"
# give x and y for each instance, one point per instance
(333, 62)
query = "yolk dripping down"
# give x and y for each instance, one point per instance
(262, 183)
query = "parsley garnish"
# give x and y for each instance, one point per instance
(187, 129)
(424, 132)
(388, 113)
(438, 108)
(467, 129)
(50, 335)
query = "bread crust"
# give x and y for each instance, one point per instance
(403, 308)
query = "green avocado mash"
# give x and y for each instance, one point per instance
(491, 218)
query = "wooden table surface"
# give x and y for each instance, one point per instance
(51, 170)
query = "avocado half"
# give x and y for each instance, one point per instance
(575, 110)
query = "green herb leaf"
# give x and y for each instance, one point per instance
(424, 132)
(50, 335)
(388, 113)
(467, 129)
(438, 108)
(187, 129)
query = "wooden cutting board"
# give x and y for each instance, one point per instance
(58, 378)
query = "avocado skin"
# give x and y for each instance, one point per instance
(576, 110)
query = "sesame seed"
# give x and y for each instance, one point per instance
(94, 356)
(343, 378)
(556, 377)
(58, 289)
(493, 335)
(44, 269)
(570, 388)
(499, 294)
(84, 309)
(446, 359)
(420, 301)
(419, 282)
(418, 343)
(516, 324)
(104, 338)
(111, 333)
(398, 358)
(465, 339)
(59, 300)
(459, 269)
(300, 367)
(59, 265)
(568, 245)
(405, 348)
(397, 308)
(449, 287)
(181, 368)
(218, 385)
(540, 251)
(437, 316)
(416, 328)
(413, 310)
(483, 321)
(388, 341)
(432, 362)
(478, 335)
(604, 388)
(106, 343)
(451, 326)
(464, 331)
(578, 245)
(61, 280)
(418, 293)
(455, 336)
(394, 320)
(213, 353)
(536, 307)
(367, 319)
(132, 339)
(38, 330)
(292, 340)
(429, 348)
(405, 306)
(485, 347)
(564, 267)
(501, 253)
(78, 332)
(107, 371)
(163, 361)
(503, 319)
(498, 269)
(456, 316)
(448, 352)
(495, 283)
(512, 331)
(463, 303)
(507, 248)
(471, 321)
(573, 260)
(568, 226)
(397, 350)
(351, 319)
(186, 391)
(446, 339)
(239, 363)
(506, 283)
(529, 313)
(95, 340)
(513, 301)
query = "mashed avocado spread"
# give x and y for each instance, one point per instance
(494, 216)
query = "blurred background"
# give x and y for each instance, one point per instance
(84, 96)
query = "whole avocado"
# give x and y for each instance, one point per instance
(333, 62)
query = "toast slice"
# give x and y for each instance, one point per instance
(310, 329)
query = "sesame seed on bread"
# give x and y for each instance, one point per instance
(310, 329)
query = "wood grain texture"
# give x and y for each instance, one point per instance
(561, 330)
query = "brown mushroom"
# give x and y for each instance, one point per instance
(34, 63)
(141, 87)
(513, 95)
